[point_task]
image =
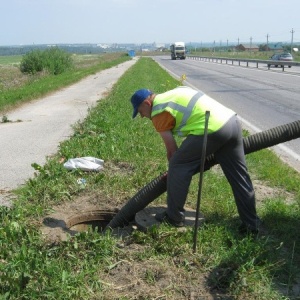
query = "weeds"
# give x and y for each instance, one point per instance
(5, 119)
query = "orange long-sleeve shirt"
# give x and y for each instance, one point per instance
(163, 121)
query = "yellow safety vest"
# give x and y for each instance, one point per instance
(188, 107)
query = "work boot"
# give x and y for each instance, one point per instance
(261, 230)
(163, 217)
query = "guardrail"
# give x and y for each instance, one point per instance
(227, 60)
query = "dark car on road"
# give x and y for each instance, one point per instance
(280, 57)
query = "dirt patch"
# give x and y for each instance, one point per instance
(263, 192)
(150, 279)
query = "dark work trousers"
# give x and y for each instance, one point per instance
(227, 146)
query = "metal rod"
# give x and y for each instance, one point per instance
(202, 163)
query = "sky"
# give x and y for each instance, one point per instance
(27, 22)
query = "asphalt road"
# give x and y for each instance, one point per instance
(36, 128)
(262, 98)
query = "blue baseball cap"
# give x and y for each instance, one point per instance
(137, 98)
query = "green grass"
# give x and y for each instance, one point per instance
(84, 267)
(262, 55)
(10, 60)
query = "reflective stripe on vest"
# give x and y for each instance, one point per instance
(186, 110)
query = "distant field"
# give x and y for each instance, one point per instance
(9, 60)
(15, 59)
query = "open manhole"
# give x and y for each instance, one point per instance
(95, 220)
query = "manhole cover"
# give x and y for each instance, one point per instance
(146, 218)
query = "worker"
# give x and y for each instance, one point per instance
(181, 111)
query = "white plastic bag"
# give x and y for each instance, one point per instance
(84, 163)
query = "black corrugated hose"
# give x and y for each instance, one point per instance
(158, 185)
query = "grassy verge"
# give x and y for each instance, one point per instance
(16, 87)
(263, 55)
(159, 264)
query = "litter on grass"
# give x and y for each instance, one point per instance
(84, 163)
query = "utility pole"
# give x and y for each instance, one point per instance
(292, 32)
(238, 44)
(227, 45)
(250, 44)
(268, 42)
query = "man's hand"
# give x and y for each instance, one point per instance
(170, 142)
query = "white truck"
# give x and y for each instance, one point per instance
(178, 50)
